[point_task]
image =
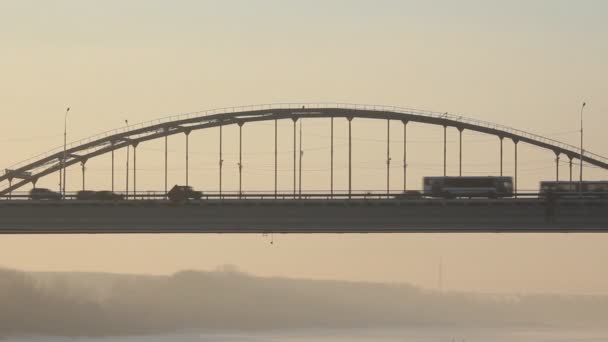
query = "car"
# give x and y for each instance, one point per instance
(183, 193)
(89, 195)
(40, 194)
(409, 194)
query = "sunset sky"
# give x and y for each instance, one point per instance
(524, 64)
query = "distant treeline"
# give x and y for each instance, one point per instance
(98, 304)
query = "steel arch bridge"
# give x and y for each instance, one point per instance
(56, 160)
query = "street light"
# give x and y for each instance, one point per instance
(127, 178)
(65, 143)
(580, 185)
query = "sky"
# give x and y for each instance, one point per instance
(524, 64)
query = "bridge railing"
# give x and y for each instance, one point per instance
(262, 107)
(305, 195)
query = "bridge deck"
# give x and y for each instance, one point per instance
(304, 216)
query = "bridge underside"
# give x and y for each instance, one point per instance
(305, 216)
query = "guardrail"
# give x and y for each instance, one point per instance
(311, 195)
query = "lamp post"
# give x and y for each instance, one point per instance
(580, 184)
(65, 143)
(127, 178)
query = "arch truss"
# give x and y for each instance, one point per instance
(79, 152)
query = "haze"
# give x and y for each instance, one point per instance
(525, 64)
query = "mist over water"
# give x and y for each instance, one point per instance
(228, 305)
(371, 335)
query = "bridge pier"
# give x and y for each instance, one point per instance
(404, 155)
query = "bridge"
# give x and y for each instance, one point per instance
(333, 211)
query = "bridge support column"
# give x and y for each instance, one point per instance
(350, 158)
(300, 162)
(275, 158)
(404, 156)
(501, 155)
(445, 151)
(166, 164)
(460, 129)
(388, 158)
(10, 184)
(112, 171)
(221, 163)
(135, 169)
(557, 166)
(240, 159)
(331, 159)
(295, 120)
(60, 177)
(570, 166)
(83, 174)
(187, 157)
(127, 174)
(515, 142)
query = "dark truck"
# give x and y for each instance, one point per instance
(41, 194)
(180, 193)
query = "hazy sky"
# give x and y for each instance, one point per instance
(526, 64)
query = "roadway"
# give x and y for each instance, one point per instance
(269, 215)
